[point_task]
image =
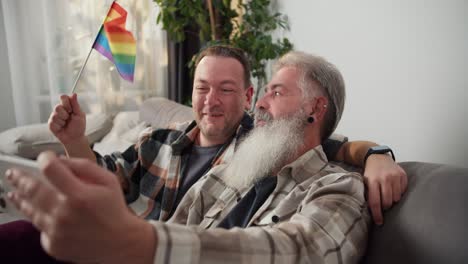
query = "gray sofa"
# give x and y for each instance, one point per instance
(429, 224)
(426, 226)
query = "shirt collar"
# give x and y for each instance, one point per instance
(191, 132)
(308, 164)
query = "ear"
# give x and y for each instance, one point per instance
(320, 107)
(316, 107)
(248, 94)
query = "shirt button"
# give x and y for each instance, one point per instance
(275, 219)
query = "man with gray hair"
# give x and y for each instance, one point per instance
(277, 201)
(295, 206)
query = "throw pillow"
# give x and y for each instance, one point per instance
(30, 140)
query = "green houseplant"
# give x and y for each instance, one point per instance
(244, 24)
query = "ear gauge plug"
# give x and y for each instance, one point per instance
(311, 119)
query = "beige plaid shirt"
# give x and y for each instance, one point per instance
(316, 214)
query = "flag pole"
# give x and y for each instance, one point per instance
(89, 53)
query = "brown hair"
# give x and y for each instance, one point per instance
(228, 52)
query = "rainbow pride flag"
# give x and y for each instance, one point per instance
(116, 43)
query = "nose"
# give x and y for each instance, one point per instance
(262, 103)
(212, 98)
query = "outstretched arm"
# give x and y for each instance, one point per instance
(81, 213)
(330, 224)
(386, 181)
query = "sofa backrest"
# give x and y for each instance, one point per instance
(430, 223)
(160, 112)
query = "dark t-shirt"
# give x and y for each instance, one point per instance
(245, 209)
(199, 160)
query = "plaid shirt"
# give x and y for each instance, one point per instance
(152, 166)
(316, 214)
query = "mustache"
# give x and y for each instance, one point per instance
(263, 115)
(213, 110)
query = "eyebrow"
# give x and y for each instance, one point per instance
(200, 81)
(229, 82)
(222, 82)
(275, 86)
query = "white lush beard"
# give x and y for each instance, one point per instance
(266, 150)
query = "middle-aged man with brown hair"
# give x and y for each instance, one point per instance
(292, 205)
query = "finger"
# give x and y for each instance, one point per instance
(75, 105)
(59, 121)
(46, 243)
(20, 204)
(58, 174)
(404, 181)
(396, 189)
(13, 197)
(55, 127)
(31, 189)
(89, 171)
(27, 186)
(374, 202)
(61, 112)
(25, 207)
(396, 183)
(65, 99)
(386, 195)
(12, 177)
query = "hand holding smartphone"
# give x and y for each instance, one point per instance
(8, 162)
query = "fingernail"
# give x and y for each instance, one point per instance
(8, 174)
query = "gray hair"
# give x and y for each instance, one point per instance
(329, 79)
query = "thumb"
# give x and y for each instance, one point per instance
(89, 171)
(59, 174)
(75, 105)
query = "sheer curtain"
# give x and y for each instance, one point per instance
(47, 43)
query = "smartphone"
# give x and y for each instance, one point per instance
(7, 162)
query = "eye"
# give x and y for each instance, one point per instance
(201, 89)
(276, 93)
(227, 90)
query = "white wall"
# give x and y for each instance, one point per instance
(405, 63)
(7, 111)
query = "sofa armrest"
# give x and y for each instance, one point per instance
(428, 225)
